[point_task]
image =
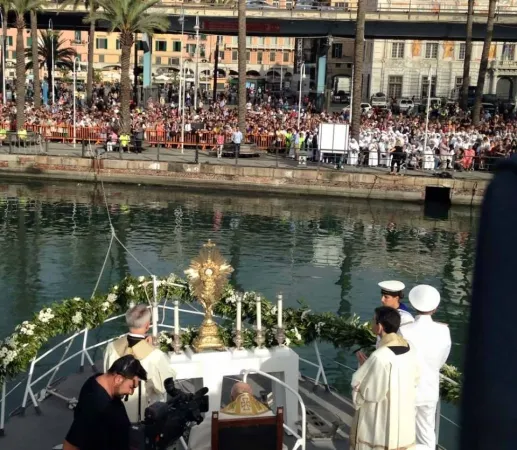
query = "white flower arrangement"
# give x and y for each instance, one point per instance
(301, 326)
(77, 318)
(45, 315)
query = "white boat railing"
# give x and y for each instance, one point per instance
(300, 439)
(84, 353)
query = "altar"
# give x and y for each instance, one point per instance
(211, 367)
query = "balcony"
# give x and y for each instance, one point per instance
(505, 64)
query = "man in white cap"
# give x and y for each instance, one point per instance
(392, 292)
(432, 342)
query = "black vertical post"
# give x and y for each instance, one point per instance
(135, 84)
(216, 68)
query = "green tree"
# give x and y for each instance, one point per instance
(63, 56)
(92, 6)
(242, 64)
(355, 107)
(468, 56)
(34, 51)
(129, 17)
(20, 8)
(483, 65)
(5, 6)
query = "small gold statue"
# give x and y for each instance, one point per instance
(208, 276)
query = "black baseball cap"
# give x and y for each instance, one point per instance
(129, 367)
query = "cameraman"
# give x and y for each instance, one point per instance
(100, 419)
(153, 360)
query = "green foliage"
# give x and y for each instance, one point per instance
(301, 326)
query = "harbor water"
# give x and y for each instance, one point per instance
(329, 253)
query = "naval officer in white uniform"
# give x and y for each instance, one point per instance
(392, 293)
(432, 342)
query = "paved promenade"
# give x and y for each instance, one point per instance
(188, 157)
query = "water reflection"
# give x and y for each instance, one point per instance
(330, 253)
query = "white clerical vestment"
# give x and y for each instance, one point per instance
(156, 364)
(383, 392)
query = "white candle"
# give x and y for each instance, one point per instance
(176, 317)
(279, 307)
(239, 313)
(259, 315)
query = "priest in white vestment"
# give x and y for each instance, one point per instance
(153, 360)
(384, 390)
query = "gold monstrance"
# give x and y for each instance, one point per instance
(208, 275)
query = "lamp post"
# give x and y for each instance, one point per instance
(181, 20)
(302, 76)
(430, 82)
(51, 31)
(183, 114)
(74, 95)
(3, 59)
(282, 72)
(196, 80)
(351, 97)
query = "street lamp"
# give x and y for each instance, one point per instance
(74, 93)
(183, 115)
(196, 80)
(429, 84)
(51, 31)
(302, 76)
(181, 20)
(351, 105)
(3, 59)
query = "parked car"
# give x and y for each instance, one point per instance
(305, 4)
(258, 4)
(365, 107)
(341, 97)
(379, 100)
(404, 104)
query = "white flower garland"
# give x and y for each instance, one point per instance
(75, 314)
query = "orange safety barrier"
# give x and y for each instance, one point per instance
(204, 140)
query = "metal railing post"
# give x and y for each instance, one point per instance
(28, 391)
(2, 409)
(321, 370)
(85, 353)
(59, 364)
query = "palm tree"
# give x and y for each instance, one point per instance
(483, 66)
(5, 6)
(358, 71)
(92, 6)
(63, 56)
(468, 56)
(242, 64)
(129, 17)
(20, 8)
(34, 51)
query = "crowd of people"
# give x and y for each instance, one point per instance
(392, 140)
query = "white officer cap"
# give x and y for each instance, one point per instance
(424, 298)
(392, 286)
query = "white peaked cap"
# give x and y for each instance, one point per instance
(424, 298)
(392, 286)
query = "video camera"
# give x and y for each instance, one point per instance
(165, 422)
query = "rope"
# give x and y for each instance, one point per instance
(104, 264)
(114, 235)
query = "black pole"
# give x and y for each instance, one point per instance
(135, 84)
(216, 68)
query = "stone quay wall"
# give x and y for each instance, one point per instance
(303, 181)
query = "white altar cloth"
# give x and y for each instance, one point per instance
(213, 366)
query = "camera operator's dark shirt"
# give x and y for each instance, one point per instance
(100, 422)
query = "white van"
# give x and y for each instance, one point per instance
(379, 101)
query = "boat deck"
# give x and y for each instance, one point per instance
(327, 414)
